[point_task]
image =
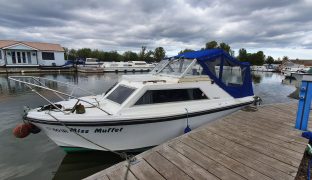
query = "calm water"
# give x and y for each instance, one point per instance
(37, 157)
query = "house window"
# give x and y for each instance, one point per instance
(48, 56)
(18, 54)
(24, 57)
(29, 57)
(13, 57)
(120, 94)
(171, 95)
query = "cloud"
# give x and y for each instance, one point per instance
(173, 24)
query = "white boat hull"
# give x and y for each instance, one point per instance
(127, 69)
(126, 137)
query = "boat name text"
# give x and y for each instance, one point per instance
(84, 131)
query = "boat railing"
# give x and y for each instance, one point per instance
(34, 82)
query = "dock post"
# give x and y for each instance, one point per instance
(305, 97)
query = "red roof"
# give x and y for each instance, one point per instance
(36, 45)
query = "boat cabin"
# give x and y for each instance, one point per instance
(187, 78)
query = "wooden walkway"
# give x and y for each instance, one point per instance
(244, 145)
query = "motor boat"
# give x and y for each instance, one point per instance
(180, 94)
(264, 68)
(293, 68)
(91, 62)
(128, 66)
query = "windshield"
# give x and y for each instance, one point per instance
(159, 66)
(120, 94)
(176, 67)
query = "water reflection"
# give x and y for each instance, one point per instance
(81, 165)
(256, 78)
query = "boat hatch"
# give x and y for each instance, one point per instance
(120, 93)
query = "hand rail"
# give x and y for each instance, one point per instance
(58, 93)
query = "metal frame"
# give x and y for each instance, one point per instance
(304, 104)
(22, 79)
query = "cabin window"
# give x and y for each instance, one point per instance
(171, 95)
(0, 54)
(228, 72)
(48, 56)
(120, 94)
(139, 63)
(196, 70)
(232, 74)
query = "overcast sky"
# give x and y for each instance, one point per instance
(277, 27)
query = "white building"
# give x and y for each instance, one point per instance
(20, 53)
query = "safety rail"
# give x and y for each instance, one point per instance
(40, 82)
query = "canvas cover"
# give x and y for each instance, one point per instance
(222, 68)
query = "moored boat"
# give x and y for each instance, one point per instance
(128, 66)
(180, 94)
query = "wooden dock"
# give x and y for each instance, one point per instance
(244, 145)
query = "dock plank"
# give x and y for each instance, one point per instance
(255, 140)
(210, 165)
(258, 145)
(276, 134)
(260, 135)
(188, 166)
(267, 166)
(165, 167)
(226, 161)
(275, 129)
(120, 174)
(268, 150)
(143, 170)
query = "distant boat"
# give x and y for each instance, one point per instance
(91, 62)
(290, 67)
(264, 68)
(128, 66)
(298, 75)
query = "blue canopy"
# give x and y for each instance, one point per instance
(212, 58)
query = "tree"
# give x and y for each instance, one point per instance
(84, 53)
(72, 54)
(130, 56)
(146, 56)
(159, 53)
(66, 50)
(269, 60)
(211, 45)
(285, 58)
(242, 55)
(185, 50)
(259, 58)
(149, 56)
(114, 56)
(142, 53)
(225, 47)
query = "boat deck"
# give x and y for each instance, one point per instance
(244, 145)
